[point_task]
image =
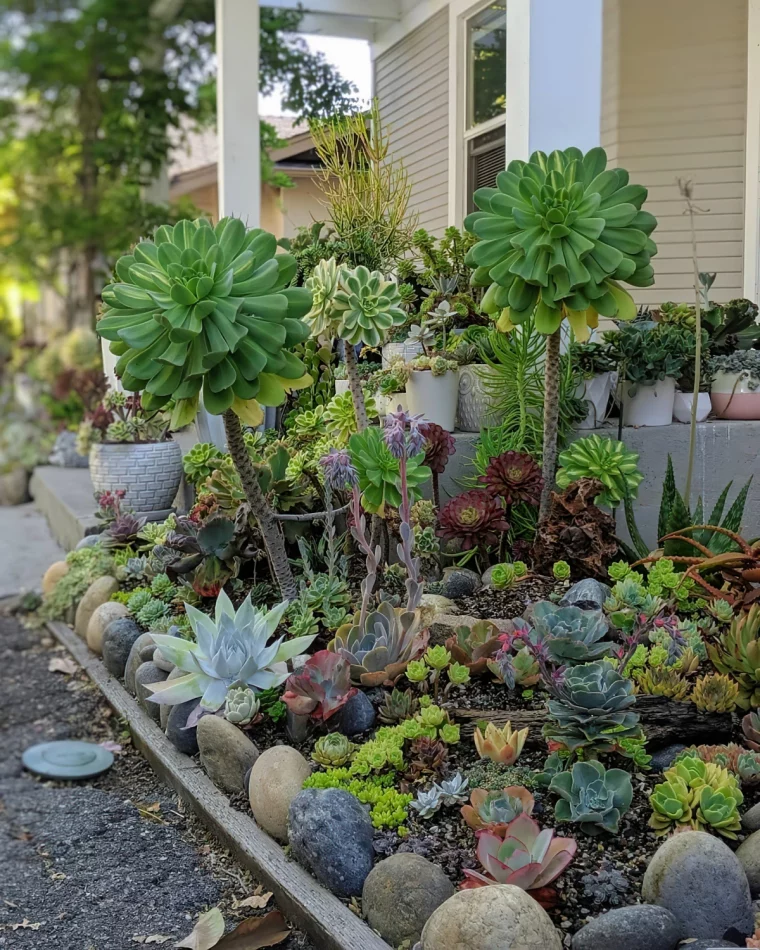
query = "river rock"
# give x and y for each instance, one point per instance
(147, 674)
(663, 758)
(183, 739)
(102, 616)
(99, 592)
(164, 708)
(161, 662)
(499, 917)
(88, 541)
(118, 638)
(226, 753)
(431, 605)
(640, 927)
(52, 575)
(699, 879)
(276, 778)
(587, 594)
(751, 818)
(357, 715)
(460, 582)
(64, 452)
(141, 651)
(399, 895)
(748, 854)
(331, 835)
(708, 945)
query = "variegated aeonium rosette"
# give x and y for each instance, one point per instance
(556, 236)
(230, 649)
(207, 308)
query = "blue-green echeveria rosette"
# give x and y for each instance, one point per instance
(556, 236)
(207, 308)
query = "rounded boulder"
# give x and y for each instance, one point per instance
(102, 616)
(700, 881)
(99, 592)
(331, 834)
(118, 638)
(276, 778)
(748, 854)
(52, 575)
(640, 927)
(401, 893)
(226, 752)
(147, 674)
(498, 917)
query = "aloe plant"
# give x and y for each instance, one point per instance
(557, 235)
(208, 310)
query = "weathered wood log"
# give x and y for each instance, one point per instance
(664, 722)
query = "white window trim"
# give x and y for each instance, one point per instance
(752, 157)
(516, 118)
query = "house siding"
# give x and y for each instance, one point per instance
(674, 106)
(412, 87)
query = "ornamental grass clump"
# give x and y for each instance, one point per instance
(556, 237)
(593, 796)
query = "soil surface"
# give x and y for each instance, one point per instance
(110, 864)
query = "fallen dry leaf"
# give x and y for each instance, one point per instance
(111, 746)
(206, 932)
(256, 932)
(25, 924)
(255, 901)
(62, 664)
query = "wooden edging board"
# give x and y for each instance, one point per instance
(328, 922)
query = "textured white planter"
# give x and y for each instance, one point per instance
(682, 407)
(434, 397)
(386, 404)
(651, 406)
(476, 408)
(733, 397)
(149, 472)
(596, 392)
(341, 386)
(406, 350)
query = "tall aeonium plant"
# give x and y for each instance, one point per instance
(201, 310)
(556, 236)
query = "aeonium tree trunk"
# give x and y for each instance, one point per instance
(551, 419)
(355, 386)
(262, 511)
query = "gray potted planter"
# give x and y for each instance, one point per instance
(476, 408)
(150, 472)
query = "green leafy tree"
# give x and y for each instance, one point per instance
(92, 94)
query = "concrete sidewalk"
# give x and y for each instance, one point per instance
(27, 549)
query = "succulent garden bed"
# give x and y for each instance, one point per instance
(477, 723)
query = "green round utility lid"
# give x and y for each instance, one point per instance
(67, 759)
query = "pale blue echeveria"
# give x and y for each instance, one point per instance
(231, 648)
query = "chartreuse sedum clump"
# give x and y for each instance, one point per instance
(234, 648)
(557, 234)
(388, 807)
(698, 795)
(202, 307)
(593, 796)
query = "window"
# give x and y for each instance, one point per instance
(485, 97)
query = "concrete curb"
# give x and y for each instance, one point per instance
(328, 922)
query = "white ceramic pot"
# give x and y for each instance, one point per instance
(406, 350)
(596, 392)
(391, 403)
(434, 397)
(341, 386)
(682, 407)
(476, 406)
(733, 397)
(149, 472)
(651, 405)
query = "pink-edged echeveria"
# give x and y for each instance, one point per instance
(320, 687)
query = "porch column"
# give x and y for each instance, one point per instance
(752, 156)
(237, 108)
(554, 75)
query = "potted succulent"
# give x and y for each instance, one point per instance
(735, 389)
(597, 367)
(389, 387)
(433, 389)
(684, 315)
(23, 444)
(129, 446)
(650, 357)
(478, 379)
(341, 379)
